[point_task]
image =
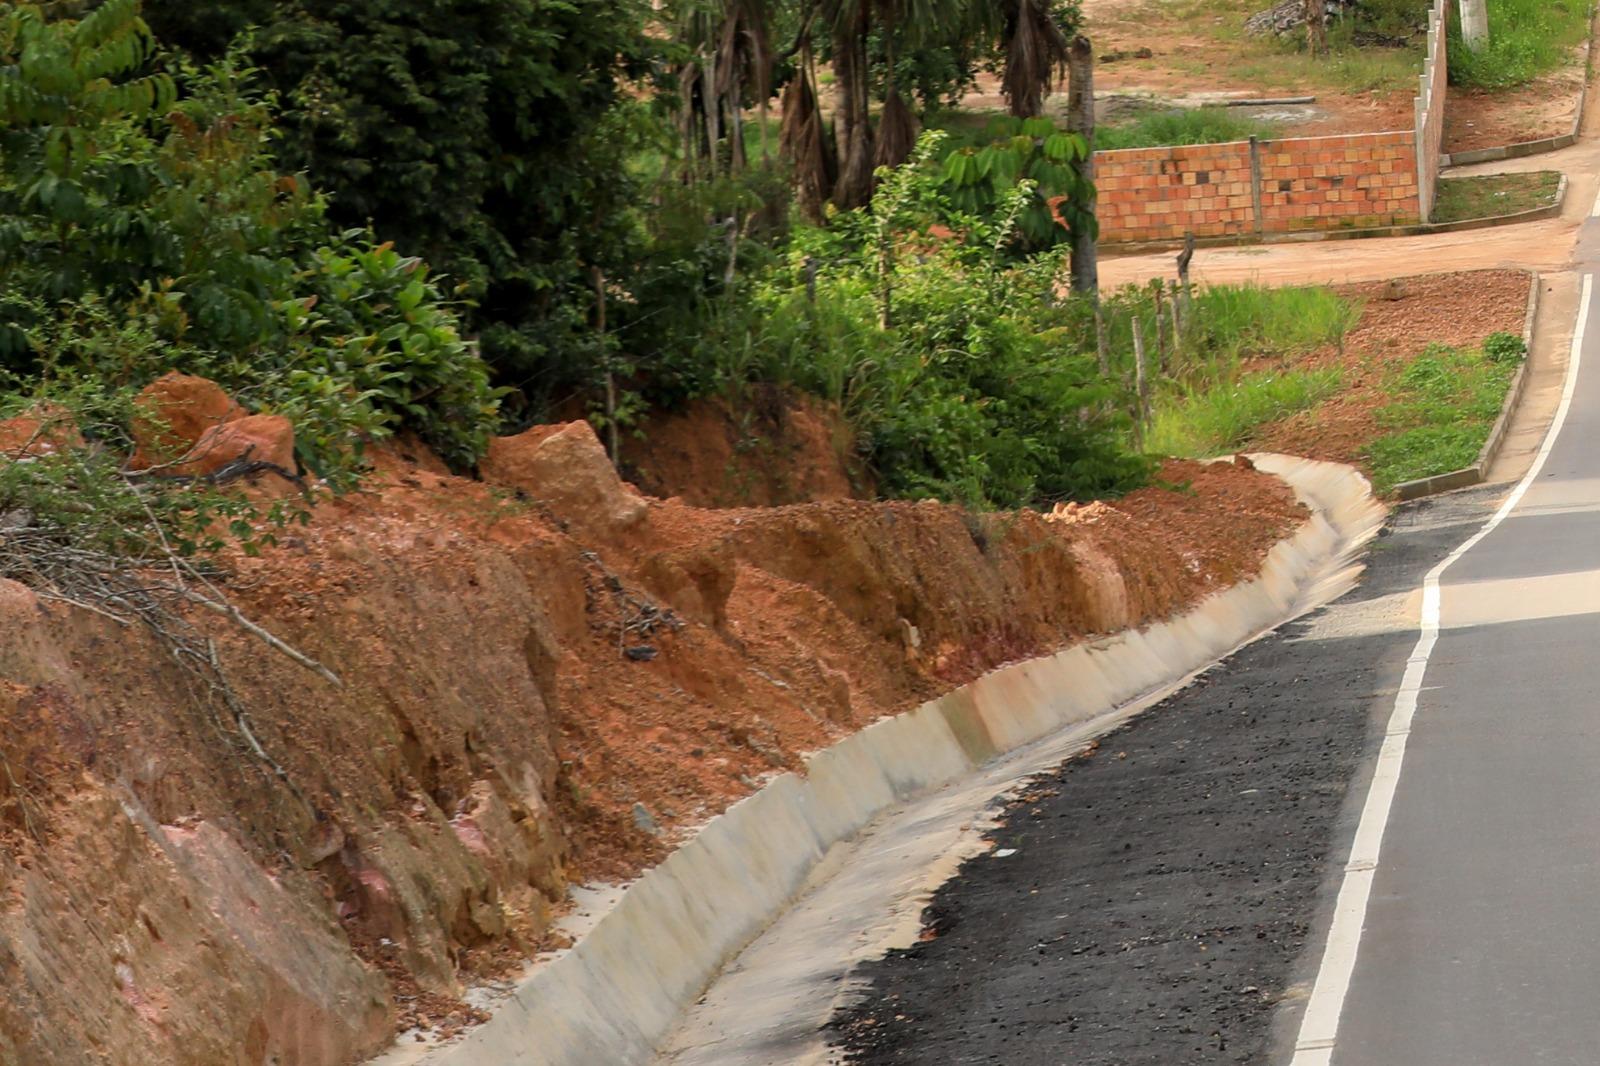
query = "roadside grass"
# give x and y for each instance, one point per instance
(1202, 423)
(1211, 403)
(1527, 38)
(1443, 405)
(1488, 195)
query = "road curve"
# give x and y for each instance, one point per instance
(1467, 928)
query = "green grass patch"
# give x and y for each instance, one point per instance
(1203, 423)
(1444, 404)
(1489, 195)
(1527, 38)
(1203, 125)
(1206, 404)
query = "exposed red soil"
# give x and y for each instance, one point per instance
(774, 448)
(1545, 108)
(1399, 320)
(537, 686)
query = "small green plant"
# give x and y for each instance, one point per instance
(1505, 348)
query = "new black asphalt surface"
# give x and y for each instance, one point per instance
(1162, 891)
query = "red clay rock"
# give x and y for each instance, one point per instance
(259, 438)
(43, 431)
(565, 466)
(174, 412)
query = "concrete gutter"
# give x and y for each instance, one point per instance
(1474, 474)
(619, 992)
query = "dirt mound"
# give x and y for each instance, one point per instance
(526, 698)
(778, 448)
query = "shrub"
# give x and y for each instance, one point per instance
(146, 232)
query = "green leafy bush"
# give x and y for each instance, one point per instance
(977, 179)
(147, 230)
(489, 138)
(1505, 348)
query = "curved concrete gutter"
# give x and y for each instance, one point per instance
(621, 990)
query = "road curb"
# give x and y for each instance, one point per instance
(619, 991)
(1475, 474)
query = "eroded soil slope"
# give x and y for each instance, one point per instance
(545, 676)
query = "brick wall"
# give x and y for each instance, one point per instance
(1242, 189)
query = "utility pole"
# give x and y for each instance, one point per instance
(1475, 24)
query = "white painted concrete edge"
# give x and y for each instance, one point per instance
(620, 990)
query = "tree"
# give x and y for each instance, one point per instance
(490, 136)
(1036, 39)
(1080, 120)
(1317, 26)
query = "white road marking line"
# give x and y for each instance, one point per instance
(1596, 212)
(1320, 1026)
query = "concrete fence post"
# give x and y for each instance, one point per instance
(1255, 184)
(1475, 24)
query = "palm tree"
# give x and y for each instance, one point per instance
(729, 60)
(1037, 38)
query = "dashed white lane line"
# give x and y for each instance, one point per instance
(1319, 1028)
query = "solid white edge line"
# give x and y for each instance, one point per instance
(1320, 1026)
(1595, 213)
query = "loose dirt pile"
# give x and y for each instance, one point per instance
(546, 677)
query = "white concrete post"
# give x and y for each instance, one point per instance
(1475, 24)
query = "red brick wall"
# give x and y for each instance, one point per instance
(1306, 183)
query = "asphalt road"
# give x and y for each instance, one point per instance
(1479, 850)
(1160, 899)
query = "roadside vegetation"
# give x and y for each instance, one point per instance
(1243, 376)
(1204, 125)
(1442, 406)
(1527, 38)
(1491, 195)
(1379, 50)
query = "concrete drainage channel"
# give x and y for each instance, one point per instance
(618, 994)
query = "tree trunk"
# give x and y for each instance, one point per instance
(1475, 24)
(851, 70)
(1317, 27)
(1080, 120)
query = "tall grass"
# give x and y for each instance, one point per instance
(1527, 38)
(1209, 422)
(1203, 125)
